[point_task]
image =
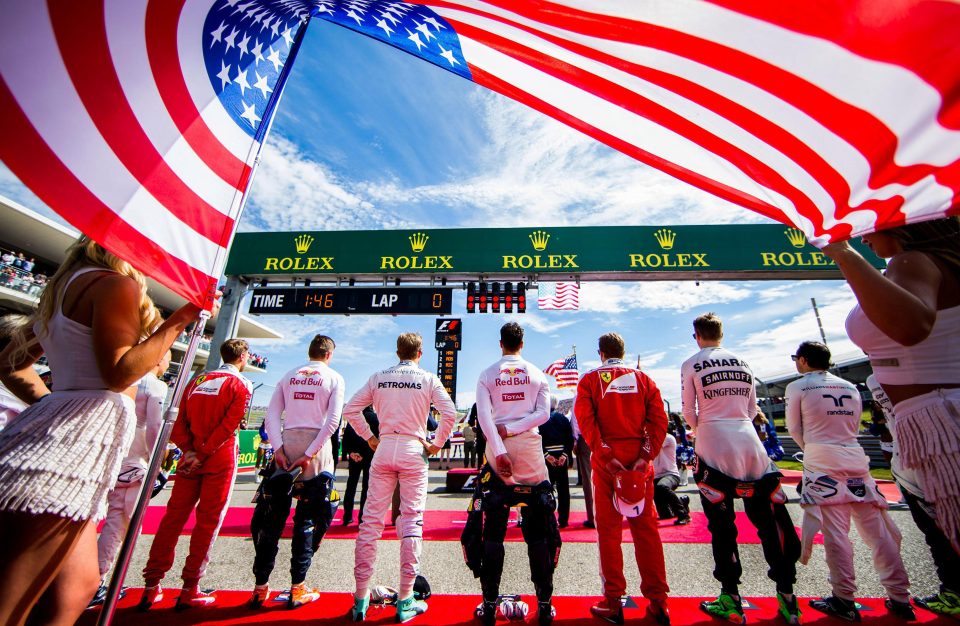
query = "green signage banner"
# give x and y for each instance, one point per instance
(588, 253)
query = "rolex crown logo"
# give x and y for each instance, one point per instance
(796, 237)
(303, 243)
(418, 241)
(539, 240)
(665, 237)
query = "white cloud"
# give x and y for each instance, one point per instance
(359, 338)
(538, 322)
(666, 295)
(293, 192)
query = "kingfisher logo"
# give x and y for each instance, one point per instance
(512, 397)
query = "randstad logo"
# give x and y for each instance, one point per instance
(303, 243)
(418, 241)
(796, 237)
(665, 237)
(539, 240)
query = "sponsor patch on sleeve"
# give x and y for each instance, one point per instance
(209, 386)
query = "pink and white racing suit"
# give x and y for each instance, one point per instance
(401, 397)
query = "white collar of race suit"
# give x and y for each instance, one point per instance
(613, 362)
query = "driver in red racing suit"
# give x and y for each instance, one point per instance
(621, 416)
(213, 405)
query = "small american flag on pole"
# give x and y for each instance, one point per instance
(558, 296)
(565, 371)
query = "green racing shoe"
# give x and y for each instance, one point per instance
(725, 607)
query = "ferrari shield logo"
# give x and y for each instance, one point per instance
(606, 377)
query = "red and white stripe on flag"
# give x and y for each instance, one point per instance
(838, 117)
(558, 296)
(115, 119)
(565, 371)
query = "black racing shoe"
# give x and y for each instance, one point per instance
(837, 607)
(486, 612)
(903, 610)
(545, 613)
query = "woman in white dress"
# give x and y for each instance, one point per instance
(60, 457)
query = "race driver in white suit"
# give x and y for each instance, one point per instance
(401, 396)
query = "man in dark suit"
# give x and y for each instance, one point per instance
(359, 454)
(557, 440)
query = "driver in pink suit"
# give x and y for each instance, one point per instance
(401, 396)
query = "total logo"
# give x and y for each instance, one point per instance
(539, 240)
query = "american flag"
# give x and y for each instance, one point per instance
(565, 371)
(558, 296)
(139, 121)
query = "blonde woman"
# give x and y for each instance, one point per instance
(60, 457)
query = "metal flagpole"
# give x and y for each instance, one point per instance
(146, 489)
(816, 312)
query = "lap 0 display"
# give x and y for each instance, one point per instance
(353, 300)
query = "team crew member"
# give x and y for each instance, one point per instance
(557, 436)
(360, 455)
(513, 399)
(212, 408)
(719, 402)
(621, 416)
(823, 417)
(666, 479)
(264, 451)
(310, 399)
(151, 394)
(401, 396)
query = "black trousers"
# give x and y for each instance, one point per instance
(535, 528)
(355, 470)
(469, 453)
(664, 497)
(778, 536)
(945, 558)
(560, 479)
(311, 520)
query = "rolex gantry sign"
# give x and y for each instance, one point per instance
(749, 251)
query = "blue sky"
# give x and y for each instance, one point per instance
(367, 137)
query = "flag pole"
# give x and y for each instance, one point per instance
(146, 488)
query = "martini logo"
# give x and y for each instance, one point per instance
(303, 243)
(665, 237)
(795, 237)
(539, 239)
(418, 241)
(665, 260)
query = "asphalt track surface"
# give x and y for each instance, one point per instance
(689, 565)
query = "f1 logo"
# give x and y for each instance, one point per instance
(838, 402)
(447, 325)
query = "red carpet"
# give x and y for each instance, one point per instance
(447, 526)
(451, 610)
